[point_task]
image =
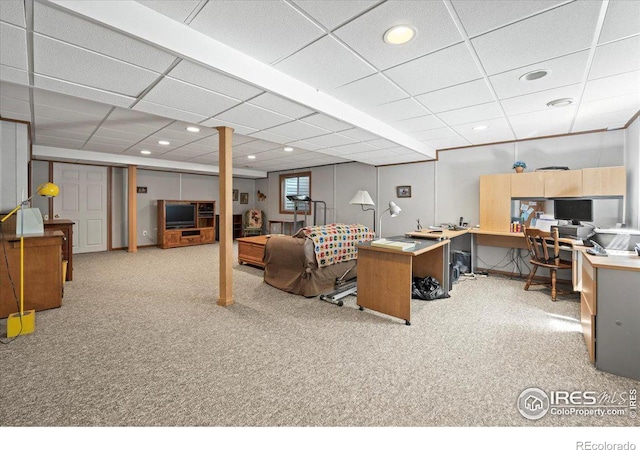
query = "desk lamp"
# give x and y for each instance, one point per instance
(393, 210)
(363, 198)
(24, 322)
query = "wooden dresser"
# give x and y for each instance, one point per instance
(66, 226)
(42, 272)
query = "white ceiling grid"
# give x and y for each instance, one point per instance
(98, 89)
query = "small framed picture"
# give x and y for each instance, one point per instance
(236, 192)
(244, 198)
(403, 191)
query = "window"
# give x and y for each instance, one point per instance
(294, 184)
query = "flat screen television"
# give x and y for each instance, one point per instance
(180, 215)
(574, 210)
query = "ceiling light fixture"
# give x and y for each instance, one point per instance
(288, 149)
(164, 142)
(145, 152)
(480, 127)
(560, 102)
(400, 34)
(251, 156)
(193, 129)
(535, 75)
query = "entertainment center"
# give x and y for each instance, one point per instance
(185, 222)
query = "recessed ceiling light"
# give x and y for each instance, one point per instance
(145, 152)
(560, 102)
(288, 149)
(535, 75)
(480, 127)
(164, 142)
(251, 156)
(193, 129)
(400, 34)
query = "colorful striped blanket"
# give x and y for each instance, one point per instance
(336, 242)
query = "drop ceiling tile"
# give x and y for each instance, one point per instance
(187, 97)
(70, 103)
(14, 91)
(332, 14)
(491, 137)
(455, 97)
(402, 151)
(13, 46)
(266, 31)
(12, 12)
(370, 91)
(64, 115)
(430, 135)
(326, 122)
(359, 135)
(58, 142)
(237, 128)
(563, 71)
(180, 128)
(257, 145)
(346, 150)
(398, 110)
(213, 81)
(205, 159)
(253, 117)
(102, 147)
(310, 65)
(538, 100)
(10, 105)
(427, 122)
(538, 38)
(328, 140)
(13, 75)
(450, 142)
(136, 122)
(475, 113)
(613, 105)
(616, 57)
(454, 66)
(480, 16)
(131, 138)
(272, 137)
(65, 62)
(382, 143)
(435, 30)
(177, 10)
(622, 20)
(166, 111)
(615, 119)
(151, 143)
(550, 122)
(114, 143)
(83, 33)
(85, 92)
(615, 86)
(52, 130)
(492, 125)
(280, 105)
(298, 130)
(308, 144)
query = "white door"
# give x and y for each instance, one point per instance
(83, 199)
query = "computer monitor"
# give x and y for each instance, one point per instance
(574, 210)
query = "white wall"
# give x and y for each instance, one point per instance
(14, 156)
(632, 162)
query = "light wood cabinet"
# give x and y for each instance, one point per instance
(529, 184)
(563, 183)
(251, 250)
(495, 202)
(197, 229)
(604, 181)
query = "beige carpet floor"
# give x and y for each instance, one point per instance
(140, 341)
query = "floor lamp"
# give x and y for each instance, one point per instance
(24, 322)
(363, 198)
(393, 210)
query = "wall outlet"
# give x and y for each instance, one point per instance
(46, 217)
(145, 233)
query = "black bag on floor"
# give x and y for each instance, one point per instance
(427, 288)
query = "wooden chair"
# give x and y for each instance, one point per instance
(252, 225)
(545, 252)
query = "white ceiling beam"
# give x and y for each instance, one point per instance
(143, 23)
(44, 152)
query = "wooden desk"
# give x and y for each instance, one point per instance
(292, 225)
(385, 275)
(42, 272)
(66, 226)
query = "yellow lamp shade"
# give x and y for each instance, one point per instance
(48, 190)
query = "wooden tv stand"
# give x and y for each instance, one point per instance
(203, 233)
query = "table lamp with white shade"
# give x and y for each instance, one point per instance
(24, 322)
(393, 211)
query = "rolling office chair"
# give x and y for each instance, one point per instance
(252, 223)
(540, 243)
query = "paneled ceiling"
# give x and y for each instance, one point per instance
(109, 79)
